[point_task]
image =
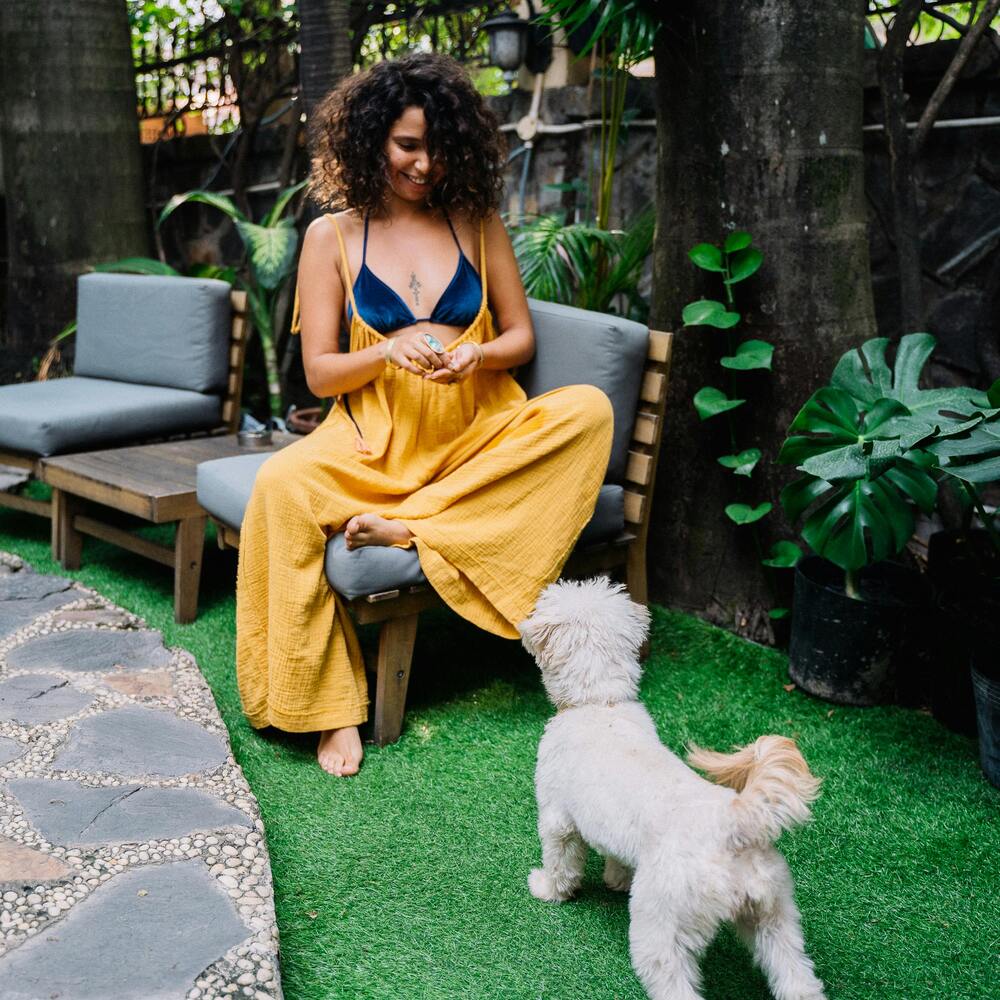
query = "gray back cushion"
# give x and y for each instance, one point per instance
(574, 346)
(153, 330)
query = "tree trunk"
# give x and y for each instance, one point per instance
(72, 168)
(759, 129)
(325, 42)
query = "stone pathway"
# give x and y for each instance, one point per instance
(132, 857)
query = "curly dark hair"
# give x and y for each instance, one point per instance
(351, 125)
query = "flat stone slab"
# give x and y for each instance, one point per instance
(144, 935)
(20, 865)
(153, 684)
(133, 741)
(68, 813)
(10, 750)
(25, 595)
(91, 649)
(95, 616)
(35, 698)
(25, 585)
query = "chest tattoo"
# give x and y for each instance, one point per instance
(416, 286)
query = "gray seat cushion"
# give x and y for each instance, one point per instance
(79, 414)
(225, 484)
(153, 330)
(574, 346)
(369, 570)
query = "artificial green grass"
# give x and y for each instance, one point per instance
(409, 880)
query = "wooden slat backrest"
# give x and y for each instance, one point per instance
(640, 472)
(237, 353)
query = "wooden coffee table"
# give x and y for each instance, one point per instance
(155, 482)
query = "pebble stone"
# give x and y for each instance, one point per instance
(95, 883)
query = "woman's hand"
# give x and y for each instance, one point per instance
(411, 351)
(460, 364)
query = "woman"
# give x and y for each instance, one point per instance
(431, 442)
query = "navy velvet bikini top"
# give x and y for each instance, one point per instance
(383, 309)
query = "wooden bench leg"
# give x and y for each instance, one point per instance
(67, 542)
(189, 546)
(635, 580)
(395, 654)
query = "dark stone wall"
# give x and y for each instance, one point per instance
(958, 196)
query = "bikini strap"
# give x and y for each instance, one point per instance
(348, 284)
(482, 256)
(454, 235)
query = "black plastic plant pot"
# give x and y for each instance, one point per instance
(986, 685)
(960, 561)
(951, 699)
(847, 650)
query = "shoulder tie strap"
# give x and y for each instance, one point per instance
(348, 284)
(482, 256)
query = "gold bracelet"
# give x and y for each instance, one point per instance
(482, 354)
(387, 354)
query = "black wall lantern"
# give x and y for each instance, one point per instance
(513, 41)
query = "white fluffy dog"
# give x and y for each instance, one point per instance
(693, 853)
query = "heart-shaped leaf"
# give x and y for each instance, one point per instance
(749, 355)
(784, 555)
(707, 257)
(743, 263)
(742, 513)
(707, 312)
(710, 402)
(737, 241)
(271, 250)
(743, 463)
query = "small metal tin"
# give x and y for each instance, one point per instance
(254, 439)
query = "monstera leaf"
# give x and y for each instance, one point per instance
(865, 375)
(839, 439)
(974, 455)
(857, 522)
(861, 482)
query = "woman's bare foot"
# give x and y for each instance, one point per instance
(370, 529)
(340, 751)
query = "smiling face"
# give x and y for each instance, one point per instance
(412, 173)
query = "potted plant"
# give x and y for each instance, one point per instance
(862, 478)
(972, 458)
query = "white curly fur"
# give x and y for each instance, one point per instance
(691, 853)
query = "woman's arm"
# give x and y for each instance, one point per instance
(321, 304)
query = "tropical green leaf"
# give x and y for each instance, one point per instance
(800, 494)
(993, 394)
(281, 203)
(784, 555)
(707, 257)
(737, 241)
(270, 250)
(137, 265)
(741, 513)
(744, 263)
(865, 374)
(708, 312)
(219, 201)
(749, 355)
(217, 271)
(710, 402)
(775, 614)
(743, 463)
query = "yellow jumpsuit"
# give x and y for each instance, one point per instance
(495, 489)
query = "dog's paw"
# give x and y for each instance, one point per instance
(617, 877)
(542, 886)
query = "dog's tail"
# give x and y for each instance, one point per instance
(774, 782)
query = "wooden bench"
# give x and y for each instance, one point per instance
(229, 422)
(398, 610)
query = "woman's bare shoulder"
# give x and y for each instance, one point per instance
(321, 233)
